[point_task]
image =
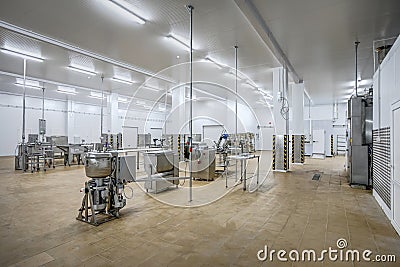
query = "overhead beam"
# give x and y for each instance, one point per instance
(252, 14)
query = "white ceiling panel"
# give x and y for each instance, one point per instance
(318, 37)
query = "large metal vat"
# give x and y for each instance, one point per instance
(98, 165)
(158, 161)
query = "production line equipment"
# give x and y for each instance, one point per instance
(34, 155)
(104, 193)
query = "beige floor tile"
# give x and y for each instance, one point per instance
(289, 211)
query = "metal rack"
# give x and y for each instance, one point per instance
(341, 144)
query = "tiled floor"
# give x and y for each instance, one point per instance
(290, 211)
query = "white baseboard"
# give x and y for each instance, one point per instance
(381, 203)
(396, 226)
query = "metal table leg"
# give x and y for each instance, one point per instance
(258, 168)
(137, 161)
(244, 174)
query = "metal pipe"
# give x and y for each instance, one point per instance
(190, 9)
(356, 45)
(287, 98)
(23, 120)
(43, 103)
(23, 105)
(236, 107)
(101, 109)
(43, 111)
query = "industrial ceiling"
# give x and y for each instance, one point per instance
(317, 36)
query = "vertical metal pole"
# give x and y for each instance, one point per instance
(165, 113)
(101, 109)
(43, 103)
(287, 96)
(356, 85)
(23, 105)
(23, 121)
(190, 9)
(236, 110)
(43, 110)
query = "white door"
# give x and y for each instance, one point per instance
(211, 133)
(129, 137)
(396, 167)
(319, 142)
(266, 138)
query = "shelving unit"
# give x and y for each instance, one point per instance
(341, 144)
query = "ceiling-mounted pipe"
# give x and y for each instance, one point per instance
(102, 104)
(190, 10)
(236, 109)
(355, 75)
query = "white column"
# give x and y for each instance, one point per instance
(298, 108)
(70, 121)
(112, 114)
(177, 116)
(278, 88)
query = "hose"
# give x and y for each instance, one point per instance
(125, 193)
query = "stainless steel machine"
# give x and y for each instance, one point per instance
(162, 170)
(109, 172)
(34, 155)
(144, 140)
(359, 140)
(203, 166)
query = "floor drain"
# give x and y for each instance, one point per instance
(316, 176)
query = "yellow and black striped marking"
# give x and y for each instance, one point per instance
(302, 148)
(273, 152)
(292, 148)
(179, 146)
(285, 152)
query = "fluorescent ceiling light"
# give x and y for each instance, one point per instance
(97, 95)
(140, 102)
(123, 99)
(28, 86)
(136, 17)
(219, 65)
(264, 93)
(234, 76)
(179, 41)
(21, 54)
(148, 87)
(85, 71)
(250, 83)
(66, 90)
(240, 77)
(115, 79)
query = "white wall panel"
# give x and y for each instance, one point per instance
(387, 90)
(11, 119)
